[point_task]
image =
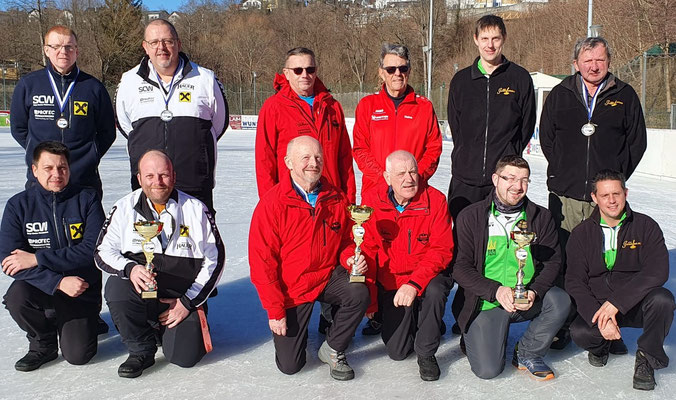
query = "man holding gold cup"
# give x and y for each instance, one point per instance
(165, 256)
(410, 236)
(508, 259)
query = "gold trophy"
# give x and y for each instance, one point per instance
(148, 230)
(523, 239)
(358, 214)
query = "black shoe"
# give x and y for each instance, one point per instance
(372, 328)
(598, 360)
(101, 326)
(135, 365)
(644, 374)
(442, 328)
(462, 345)
(429, 368)
(323, 324)
(34, 359)
(618, 347)
(561, 340)
(456, 329)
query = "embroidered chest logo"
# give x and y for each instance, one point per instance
(185, 231)
(335, 226)
(632, 245)
(76, 230)
(491, 249)
(506, 91)
(612, 103)
(424, 238)
(184, 97)
(81, 108)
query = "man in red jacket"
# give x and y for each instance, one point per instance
(300, 251)
(396, 118)
(410, 236)
(302, 106)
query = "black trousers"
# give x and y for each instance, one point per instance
(416, 327)
(43, 317)
(351, 299)
(460, 195)
(137, 321)
(654, 314)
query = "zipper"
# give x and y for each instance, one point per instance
(56, 222)
(409, 241)
(66, 230)
(324, 229)
(488, 96)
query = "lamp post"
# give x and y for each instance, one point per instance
(254, 91)
(4, 89)
(429, 52)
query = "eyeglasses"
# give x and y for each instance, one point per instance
(513, 179)
(402, 68)
(299, 70)
(165, 42)
(57, 47)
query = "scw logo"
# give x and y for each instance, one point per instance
(43, 100)
(36, 228)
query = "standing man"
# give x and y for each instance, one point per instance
(486, 268)
(590, 121)
(396, 118)
(617, 266)
(300, 251)
(302, 106)
(412, 244)
(171, 104)
(64, 104)
(188, 256)
(47, 240)
(491, 112)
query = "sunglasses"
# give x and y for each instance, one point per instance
(391, 70)
(299, 70)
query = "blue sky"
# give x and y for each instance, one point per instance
(167, 5)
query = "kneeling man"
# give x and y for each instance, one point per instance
(410, 237)
(47, 244)
(299, 252)
(617, 264)
(188, 259)
(486, 268)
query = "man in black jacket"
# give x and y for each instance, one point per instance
(47, 242)
(491, 111)
(590, 121)
(617, 264)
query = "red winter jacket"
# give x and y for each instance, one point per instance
(285, 116)
(293, 248)
(379, 130)
(410, 247)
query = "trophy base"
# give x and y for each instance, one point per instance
(149, 295)
(357, 278)
(521, 301)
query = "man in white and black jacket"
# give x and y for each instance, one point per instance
(171, 104)
(188, 259)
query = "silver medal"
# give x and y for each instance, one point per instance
(62, 123)
(588, 129)
(166, 116)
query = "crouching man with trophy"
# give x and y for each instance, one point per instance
(165, 256)
(507, 261)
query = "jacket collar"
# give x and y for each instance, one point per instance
(476, 74)
(281, 85)
(57, 76)
(143, 208)
(289, 196)
(574, 84)
(67, 192)
(144, 70)
(596, 214)
(529, 206)
(410, 94)
(420, 202)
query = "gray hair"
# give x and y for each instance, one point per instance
(164, 22)
(399, 155)
(590, 43)
(398, 50)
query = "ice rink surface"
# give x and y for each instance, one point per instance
(242, 364)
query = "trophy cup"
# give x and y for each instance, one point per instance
(523, 239)
(148, 230)
(358, 214)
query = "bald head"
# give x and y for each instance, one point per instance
(156, 176)
(401, 173)
(305, 161)
(160, 23)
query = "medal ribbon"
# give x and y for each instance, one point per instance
(167, 96)
(62, 101)
(585, 95)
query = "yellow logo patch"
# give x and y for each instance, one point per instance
(185, 231)
(491, 249)
(76, 231)
(612, 103)
(632, 245)
(184, 97)
(81, 108)
(506, 91)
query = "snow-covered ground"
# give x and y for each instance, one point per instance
(242, 364)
